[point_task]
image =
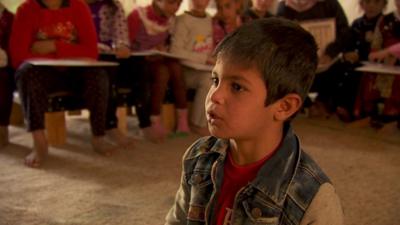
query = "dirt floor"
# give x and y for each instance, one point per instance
(137, 186)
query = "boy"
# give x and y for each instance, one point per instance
(192, 40)
(252, 170)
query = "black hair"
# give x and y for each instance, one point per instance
(284, 53)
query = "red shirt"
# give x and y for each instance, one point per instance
(71, 27)
(235, 177)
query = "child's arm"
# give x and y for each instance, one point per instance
(325, 208)
(120, 34)
(180, 38)
(87, 40)
(178, 213)
(21, 35)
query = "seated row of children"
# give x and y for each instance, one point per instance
(71, 29)
(68, 28)
(354, 95)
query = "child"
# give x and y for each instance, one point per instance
(113, 42)
(388, 86)
(149, 29)
(192, 40)
(6, 76)
(364, 37)
(259, 9)
(57, 29)
(305, 10)
(226, 20)
(253, 170)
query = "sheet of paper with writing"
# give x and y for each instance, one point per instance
(323, 31)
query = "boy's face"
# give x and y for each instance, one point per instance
(235, 104)
(227, 10)
(372, 8)
(200, 5)
(168, 7)
(262, 5)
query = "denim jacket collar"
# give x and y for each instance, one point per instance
(276, 174)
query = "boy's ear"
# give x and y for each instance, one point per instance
(287, 106)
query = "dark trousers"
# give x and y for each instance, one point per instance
(36, 83)
(7, 87)
(131, 74)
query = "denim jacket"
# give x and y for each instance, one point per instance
(280, 194)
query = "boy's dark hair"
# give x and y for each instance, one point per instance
(284, 53)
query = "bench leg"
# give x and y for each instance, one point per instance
(56, 128)
(168, 117)
(122, 119)
(17, 116)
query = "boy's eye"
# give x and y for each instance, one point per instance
(214, 81)
(236, 87)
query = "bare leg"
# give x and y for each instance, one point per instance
(39, 151)
(3, 136)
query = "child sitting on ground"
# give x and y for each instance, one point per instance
(253, 169)
(192, 40)
(149, 29)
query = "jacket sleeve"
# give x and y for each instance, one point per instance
(87, 39)
(22, 34)
(178, 213)
(325, 208)
(180, 39)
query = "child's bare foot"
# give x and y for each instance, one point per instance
(156, 132)
(122, 140)
(40, 150)
(182, 126)
(3, 136)
(102, 146)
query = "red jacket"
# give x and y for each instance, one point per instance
(71, 27)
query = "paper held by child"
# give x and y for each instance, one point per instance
(156, 52)
(70, 62)
(379, 68)
(197, 66)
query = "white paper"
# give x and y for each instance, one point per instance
(70, 62)
(198, 66)
(379, 68)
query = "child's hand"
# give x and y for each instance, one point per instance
(162, 48)
(43, 47)
(378, 56)
(324, 60)
(351, 57)
(122, 52)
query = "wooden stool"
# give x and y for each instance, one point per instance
(55, 128)
(168, 117)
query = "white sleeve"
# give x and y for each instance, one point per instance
(325, 208)
(3, 58)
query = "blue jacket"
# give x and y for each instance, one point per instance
(280, 194)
